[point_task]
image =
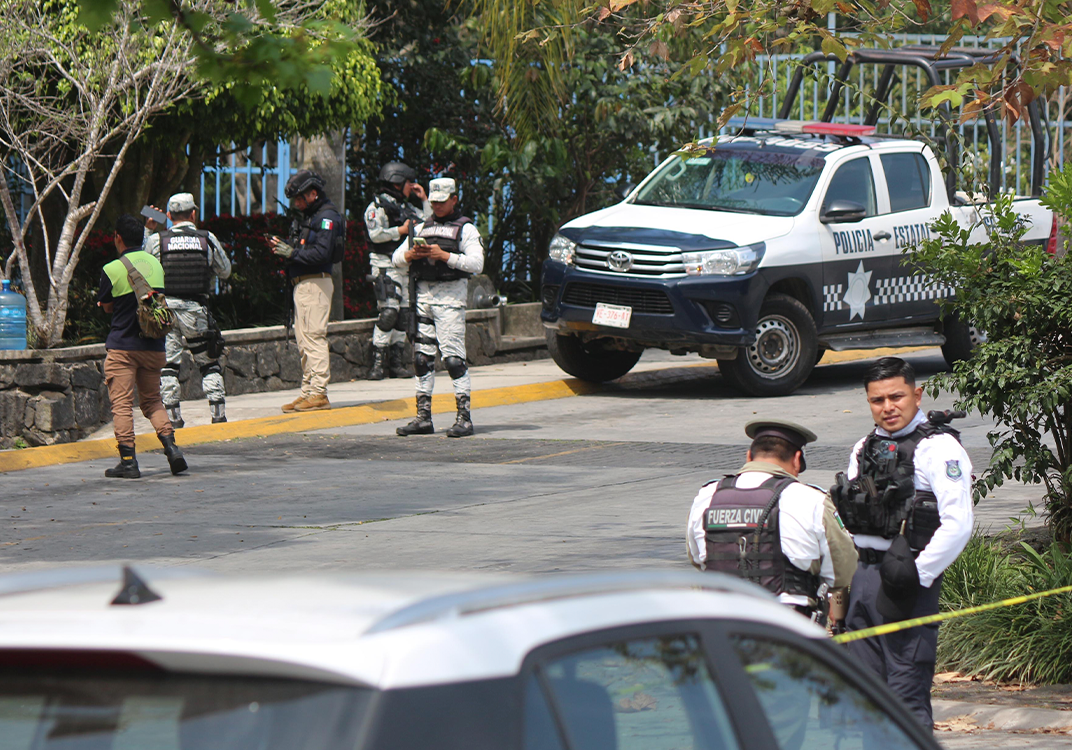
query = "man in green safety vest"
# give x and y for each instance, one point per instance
(133, 360)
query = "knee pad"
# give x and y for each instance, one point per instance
(423, 363)
(170, 372)
(402, 324)
(211, 367)
(388, 319)
(456, 367)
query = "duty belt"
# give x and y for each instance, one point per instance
(869, 556)
(298, 279)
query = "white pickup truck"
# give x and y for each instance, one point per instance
(763, 252)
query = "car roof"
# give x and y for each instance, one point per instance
(378, 629)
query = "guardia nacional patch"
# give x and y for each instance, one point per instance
(952, 469)
(326, 224)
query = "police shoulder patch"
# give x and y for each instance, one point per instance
(952, 469)
(326, 224)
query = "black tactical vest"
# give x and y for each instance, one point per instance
(398, 213)
(448, 235)
(743, 539)
(184, 256)
(884, 495)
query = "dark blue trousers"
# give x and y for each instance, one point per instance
(905, 660)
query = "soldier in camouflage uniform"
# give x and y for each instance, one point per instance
(190, 257)
(389, 218)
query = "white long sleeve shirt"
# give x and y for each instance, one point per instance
(469, 260)
(802, 531)
(941, 466)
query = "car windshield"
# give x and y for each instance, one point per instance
(63, 711)
(769, 181)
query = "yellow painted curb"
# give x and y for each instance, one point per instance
(87, 450)
(50, 455)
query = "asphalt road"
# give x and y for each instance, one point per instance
(597, 481)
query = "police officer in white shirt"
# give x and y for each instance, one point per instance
(765, 525)
(906, 498)
(442, 253)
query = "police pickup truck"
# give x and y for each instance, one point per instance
(780, 243)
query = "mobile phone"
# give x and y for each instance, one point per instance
(155, 214)
(420, 242)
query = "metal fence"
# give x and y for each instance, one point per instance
(248, 181)
(903, 114)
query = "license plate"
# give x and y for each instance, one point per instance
(615, 316)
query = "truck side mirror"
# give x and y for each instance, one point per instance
(842, 211)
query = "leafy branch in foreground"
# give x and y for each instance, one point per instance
(1022, 375)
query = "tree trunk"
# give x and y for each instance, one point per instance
(326, 155)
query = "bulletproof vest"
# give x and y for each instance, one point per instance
(743, 538)
(184, 256)
(448, 235)
(883, 497)
(398, 213)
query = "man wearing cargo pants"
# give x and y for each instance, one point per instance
(190, 257)
(442, 254)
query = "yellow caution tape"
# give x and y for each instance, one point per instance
(894, 627)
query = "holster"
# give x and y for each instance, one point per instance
(214, 337)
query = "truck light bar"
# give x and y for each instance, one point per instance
(823, 128)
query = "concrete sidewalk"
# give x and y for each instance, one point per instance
(960, 716)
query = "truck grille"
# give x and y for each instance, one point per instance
(647, 301)
(651, 261)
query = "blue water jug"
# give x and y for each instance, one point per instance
(12, 318)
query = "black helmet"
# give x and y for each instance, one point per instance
(302, 180)
(395, 172)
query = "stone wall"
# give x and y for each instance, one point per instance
(58, 395)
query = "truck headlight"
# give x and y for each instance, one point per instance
(562, 249)
(731, 262)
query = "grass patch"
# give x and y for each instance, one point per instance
(1026, 643)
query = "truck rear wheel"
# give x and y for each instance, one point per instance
(784, 353)
(960, 340)
(590, 360)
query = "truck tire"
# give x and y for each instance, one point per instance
(784, 353)
(960, 340)
(590, 360)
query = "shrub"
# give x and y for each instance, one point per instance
(1026, 643)
(257, 292)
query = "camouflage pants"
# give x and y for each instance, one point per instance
(442, 327)
(192, 319)
(391, 285)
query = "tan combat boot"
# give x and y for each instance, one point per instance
(316, 402)
(293, 405)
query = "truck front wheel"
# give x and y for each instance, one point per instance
(592, 360)
(960, 340)
(784, 353)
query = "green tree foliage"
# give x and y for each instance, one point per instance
(1021, 296)
(728, 34)
(605, 134)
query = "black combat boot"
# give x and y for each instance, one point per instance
(218, 410)
(174, 455)
(463, 425)
(422, 425)
(397, 368)
(379, 354)
(127, 468)
(174, 415)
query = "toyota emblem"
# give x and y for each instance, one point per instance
(620, 260)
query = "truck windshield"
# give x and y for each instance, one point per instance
(64, 711)
(760, 181)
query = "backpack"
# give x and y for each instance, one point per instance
(155, 318)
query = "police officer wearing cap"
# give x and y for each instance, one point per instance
(765, 525)
(442, 253)
(388, 218)
(190, 257)
(907, 500)
(316, 244)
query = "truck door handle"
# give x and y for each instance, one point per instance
(883, 236)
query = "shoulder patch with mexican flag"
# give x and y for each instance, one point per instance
(326, 224)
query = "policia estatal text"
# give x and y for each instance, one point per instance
(766, 526)
(907, 500)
